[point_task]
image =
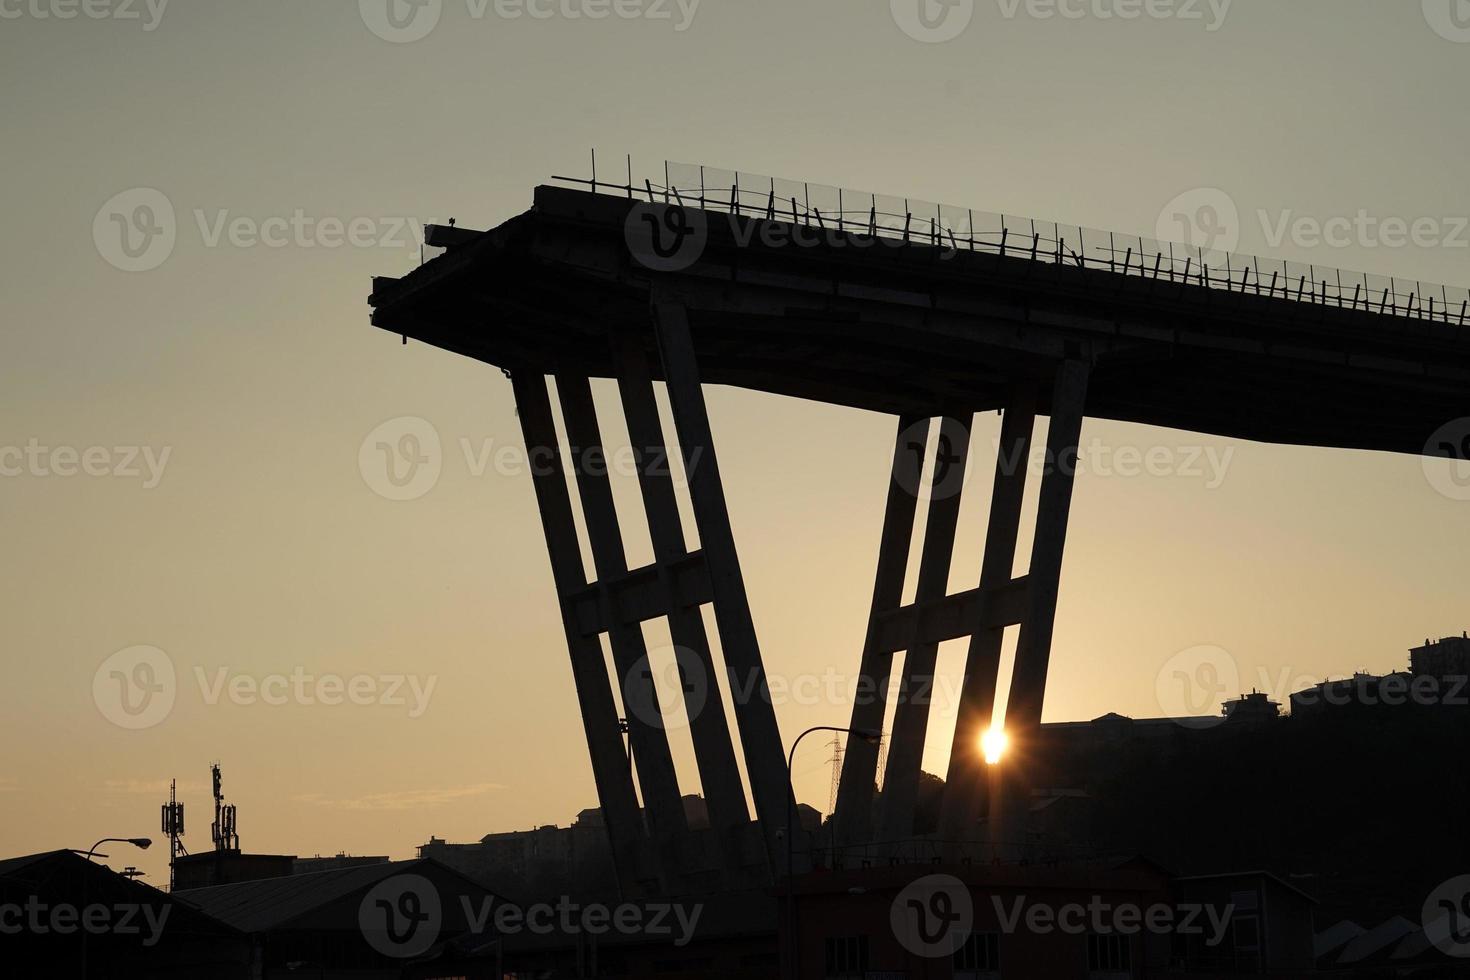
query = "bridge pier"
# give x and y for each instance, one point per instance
(719, 775)
(755, 716)
(647, 739)
(654, 855)
(1000, 600)
(916, 689)
(852, 819)
(610, 768)
(967, 781)
(1033, 647)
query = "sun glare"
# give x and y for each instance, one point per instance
(993, 745)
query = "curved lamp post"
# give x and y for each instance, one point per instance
(142, 843)
(868, 735)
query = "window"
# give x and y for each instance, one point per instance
(1245, 929)
(1245, 933)
(847, 956)
(1108, 955)
(980, 953)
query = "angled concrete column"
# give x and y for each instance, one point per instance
(964, 790)
(1033, 647)
(646, 737)
(852, 820)
(911, 717)
(589, 672)
(719, 775)
(1033, 651)
(760, 737)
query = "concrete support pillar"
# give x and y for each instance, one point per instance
(760, 737)
(1033, 648)
(719, 774)
(965, 793)
(646, 736)
(916, 692)
(852, 820)
(589, 672)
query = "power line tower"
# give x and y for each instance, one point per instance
(881, 772)
(836, 770)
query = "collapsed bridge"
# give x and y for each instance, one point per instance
(926, 314)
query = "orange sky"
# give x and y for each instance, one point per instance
(263, 554)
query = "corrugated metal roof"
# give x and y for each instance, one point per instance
(271, 903)
(11, 865)
(66, 876)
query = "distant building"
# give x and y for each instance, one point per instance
(228, 867)
(1254, 708)
(550, 860)
(1078, 753)
(335, 862)
(544, 860)
(1363, 690)
(1449, 657)
(1438, 674)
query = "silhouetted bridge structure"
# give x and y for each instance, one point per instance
(920, 312)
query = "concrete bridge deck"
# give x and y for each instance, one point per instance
(924, 329)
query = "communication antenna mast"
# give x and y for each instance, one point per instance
(173, 827)
(222, 831)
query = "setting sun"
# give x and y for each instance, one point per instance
(993, 745)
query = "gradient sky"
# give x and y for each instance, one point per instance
(263, 549)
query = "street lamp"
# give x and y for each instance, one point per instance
(869, 735)
(142, 843)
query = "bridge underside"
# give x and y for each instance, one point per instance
(911, 331)
(923, 334)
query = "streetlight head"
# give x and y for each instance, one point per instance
(870, 735)
(141, 842)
